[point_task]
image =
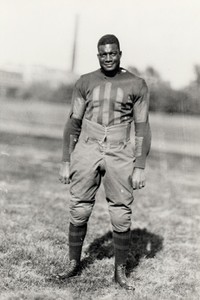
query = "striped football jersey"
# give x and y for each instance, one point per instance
(110, 100)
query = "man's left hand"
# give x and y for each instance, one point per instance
(138, 178)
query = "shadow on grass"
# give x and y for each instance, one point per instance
(143, 244)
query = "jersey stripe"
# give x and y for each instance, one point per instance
(101, 102)
(119, 100)
(106, 103)
(112, 107)
(95, 100)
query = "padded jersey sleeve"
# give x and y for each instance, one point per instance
(142, 127)
(73, 125)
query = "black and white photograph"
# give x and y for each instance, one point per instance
(99, 150)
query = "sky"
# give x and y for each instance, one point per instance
(159, 33)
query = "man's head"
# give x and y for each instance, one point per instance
(109, 53)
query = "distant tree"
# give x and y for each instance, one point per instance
(163, 98)
(152, 76)
(134, 70)
(197, 73)
(152, 72)
(193, 92)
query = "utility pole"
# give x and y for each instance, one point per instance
(75, 43)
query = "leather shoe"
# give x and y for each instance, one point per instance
(74, 267)
(120, 277)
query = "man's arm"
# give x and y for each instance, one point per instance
(72, 131)
(71, 134)
(142, 135)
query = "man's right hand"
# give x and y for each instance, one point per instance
(64, 173)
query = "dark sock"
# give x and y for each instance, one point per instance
(121, 246)
(76, 239)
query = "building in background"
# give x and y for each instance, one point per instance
(11, 83)
(51, 76)
(15, 79)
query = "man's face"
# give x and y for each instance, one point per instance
(109, 57)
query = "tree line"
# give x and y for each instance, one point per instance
(164, 98)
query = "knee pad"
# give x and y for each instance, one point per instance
(121, 222)
(80, 213)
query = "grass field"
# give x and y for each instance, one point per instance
(164, 260)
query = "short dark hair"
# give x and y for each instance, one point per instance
(108, 39)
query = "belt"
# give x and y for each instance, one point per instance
(111, 134)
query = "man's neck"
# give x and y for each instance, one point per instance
(111, 73)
